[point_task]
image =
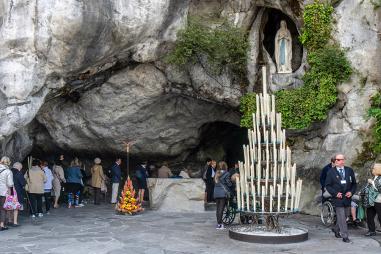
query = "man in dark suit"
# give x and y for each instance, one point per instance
(341, 184)
(116, 173)
(323, 176)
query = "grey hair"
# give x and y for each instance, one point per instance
(17, 165)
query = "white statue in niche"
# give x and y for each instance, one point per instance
(283, 49)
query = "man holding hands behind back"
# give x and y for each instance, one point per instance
(341, 184)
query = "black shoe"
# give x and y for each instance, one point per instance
(4, 228)
(370, 234)
(337, 234)
(346, 240)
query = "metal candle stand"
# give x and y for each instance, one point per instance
(267, 185)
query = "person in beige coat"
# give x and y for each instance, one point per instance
(58, 180)
(35, 178)
(97, 179)
(164, 171)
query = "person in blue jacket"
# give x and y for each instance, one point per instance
(116, 176)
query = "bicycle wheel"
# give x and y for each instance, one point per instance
(328, 215)
(228, 214)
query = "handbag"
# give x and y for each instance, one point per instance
(103, 186)
(368, 195)
(360, 212)
(11, 201)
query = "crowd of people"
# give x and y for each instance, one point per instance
(19, 190)
(40, 181)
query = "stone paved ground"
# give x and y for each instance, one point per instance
(98, 229)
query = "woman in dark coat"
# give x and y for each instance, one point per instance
(19, 183)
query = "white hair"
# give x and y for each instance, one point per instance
(17, 165)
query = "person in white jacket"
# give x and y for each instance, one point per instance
(6, 183)
(48, 185)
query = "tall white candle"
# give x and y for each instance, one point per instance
(271, 198)
(259, 177)
(257, 114)
(264, 80)
(242, 180)
(279, 193)
(252, 189)
(267, 168)
(262, 111)
(263, 199)
(247, 197)
(278, 126)
(281, 177)
(238, 186)
(273, 111)
(254, 201)
(286, 200)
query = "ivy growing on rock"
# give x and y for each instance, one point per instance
(328, 67)
(223, 46)
(311, 102)
(375, 111)
(317, 25)
(247, 107)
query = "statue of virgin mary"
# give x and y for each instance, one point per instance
(283, 49)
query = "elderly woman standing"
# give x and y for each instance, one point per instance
(6, 182)
(35, 178)
(59, 178)
(97, 178)
(374, 210)
(19, 183)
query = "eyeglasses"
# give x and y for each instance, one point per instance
(340, 159)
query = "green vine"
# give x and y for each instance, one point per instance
(223, 46)
(247, 107)
(328, 67)
(375, 111)
(311, 102)
(376, 3)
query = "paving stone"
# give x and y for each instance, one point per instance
(97, 229)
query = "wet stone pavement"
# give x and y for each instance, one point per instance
(97, 229)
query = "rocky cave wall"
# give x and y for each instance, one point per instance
(84, 76)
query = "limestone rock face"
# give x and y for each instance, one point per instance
(131, 105)
(176, 195)
(44, 44)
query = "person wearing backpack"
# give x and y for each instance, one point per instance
(375, 208)
(221, 191)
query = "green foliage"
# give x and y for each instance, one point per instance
(375, 111)
(317, 25)
(223, 46)
(311, 102)
(247, 108)
(376, 3)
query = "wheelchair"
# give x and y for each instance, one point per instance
(328, 213)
